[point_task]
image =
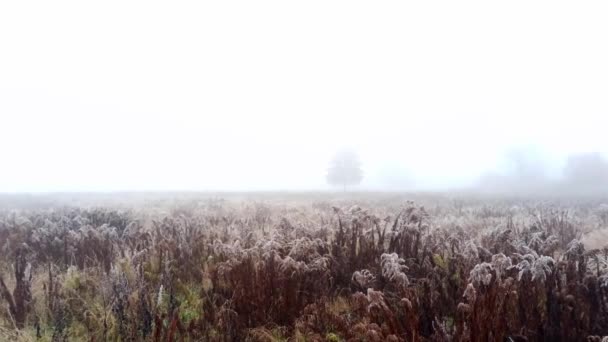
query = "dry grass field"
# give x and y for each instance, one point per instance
(303, 267)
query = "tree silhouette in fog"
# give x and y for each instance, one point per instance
(345, 169)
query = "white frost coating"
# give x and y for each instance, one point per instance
(575, 247)
(501, 263)
(536, 241)
(481, 274)
(393, 268)
(539, 268)
(524, 268)
(159, 298)
(363, 278)
(470, 250)
(542, 268)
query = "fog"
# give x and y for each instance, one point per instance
(526, 171)
(259, 95)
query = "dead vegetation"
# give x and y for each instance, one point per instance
(461, 270)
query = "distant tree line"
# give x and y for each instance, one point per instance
(585, 173)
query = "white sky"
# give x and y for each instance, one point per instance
(212, 95)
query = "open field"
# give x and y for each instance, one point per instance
(302, 267)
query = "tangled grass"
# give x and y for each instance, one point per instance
(322, 270)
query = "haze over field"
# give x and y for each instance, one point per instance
(258, 95)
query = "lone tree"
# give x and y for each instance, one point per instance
(345, 169)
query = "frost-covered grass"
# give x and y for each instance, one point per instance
(305, 268)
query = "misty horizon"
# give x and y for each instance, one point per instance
(538, 178)
(144, 96)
